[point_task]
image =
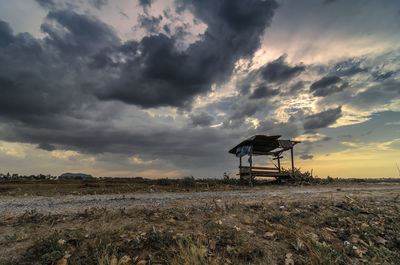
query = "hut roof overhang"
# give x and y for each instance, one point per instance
(265, 145)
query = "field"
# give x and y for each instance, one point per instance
(199, 222)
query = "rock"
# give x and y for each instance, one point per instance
(61, 242)
(381, 240)
(246, 221)
(62, 261)
(364, 226)
(288, 259)
(142, 262)
(269, 234)
(250, 232)
(125, 260)
(212, 245)
(114, 260)
(229, 249)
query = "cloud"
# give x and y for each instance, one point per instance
(201, 119)
(322, 119)
(98, 3)
(78, 34)
(297, 86)
(46, 146)
(145, 3)
(263, 92)
(280, 71)
(377, 95)
(6, 34)
(47, 4)
(157, 74)
(327, 85)
(305, 157)
(150, 23)
(349, 67)
(382, 76)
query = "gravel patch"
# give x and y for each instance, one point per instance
(76, 203)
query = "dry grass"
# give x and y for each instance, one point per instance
(354, 230)
(121, 186)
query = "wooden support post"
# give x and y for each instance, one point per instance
(291, 156)
(251, 164)
(240, 167)
(279, 164)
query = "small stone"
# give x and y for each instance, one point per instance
(125, 260)
(269, 234)
(212, 245)
(142, 262)
(250, 232)
(381, 240)
(172, 220)
(346, 243)
(229, 249)
(61, 242)
(237, 228)
(62, 261)
(114, 260)
(288, 259)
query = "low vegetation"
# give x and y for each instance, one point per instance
(45, 187)
(350, 230)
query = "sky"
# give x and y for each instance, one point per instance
(164, 88)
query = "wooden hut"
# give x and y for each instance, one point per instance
(263, 145)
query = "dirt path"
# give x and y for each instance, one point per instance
(76, 203)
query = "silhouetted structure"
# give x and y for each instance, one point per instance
(258, 145)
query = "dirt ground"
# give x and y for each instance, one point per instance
(352, 223)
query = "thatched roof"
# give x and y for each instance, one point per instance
(264, 144)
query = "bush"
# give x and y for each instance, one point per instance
(188, 182)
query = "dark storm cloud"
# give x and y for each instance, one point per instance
(242, 110)
(47, 4)
(305, 157)
(382, 76)
(285, 129)
(161, 75)
(6, 34)
(201, 119)
(46, 146)
(263, 92)
(349, 67)
(98, 3)
(41, 79)
(49, 86)
(322, 119)
(59, 4)
(296, 87)
(328, 85)
(379, 94)
(145, 3)
(79, 34)
(280, 71)
(150, 23)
